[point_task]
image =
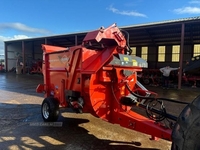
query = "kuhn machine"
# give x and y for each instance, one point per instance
(100, 77)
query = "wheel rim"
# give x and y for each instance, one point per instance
(45, 110)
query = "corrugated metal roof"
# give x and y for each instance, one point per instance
(156, 33)
(123, 27)
(165, 22)
(51, 36)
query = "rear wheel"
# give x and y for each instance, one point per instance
(50, 110)
(186, 133)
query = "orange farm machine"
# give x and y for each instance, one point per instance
(100, 77)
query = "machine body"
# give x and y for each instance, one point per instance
(100, 77)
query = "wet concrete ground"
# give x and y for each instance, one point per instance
(22, 127)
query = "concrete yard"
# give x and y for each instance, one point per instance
(22, 127)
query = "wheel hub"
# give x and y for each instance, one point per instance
(45, 111)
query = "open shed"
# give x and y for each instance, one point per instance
(170, 42)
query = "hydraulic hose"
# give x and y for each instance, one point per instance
(129, 50)
(153, 98)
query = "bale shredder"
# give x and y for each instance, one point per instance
(100, 77)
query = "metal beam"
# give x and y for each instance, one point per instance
(181, 55)
(76, 40)
(6, 55)
(45, 41)
(23, 55)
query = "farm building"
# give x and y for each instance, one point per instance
(172, 42)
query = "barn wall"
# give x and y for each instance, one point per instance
(14, 51)
(153, 56)
(38, 49)
(32, 52)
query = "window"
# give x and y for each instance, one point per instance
(196, 50)
(133, 51)
(144, 52)
(175, 53)
(161, 54)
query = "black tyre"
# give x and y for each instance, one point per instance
(50, 110)
(186, 133)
